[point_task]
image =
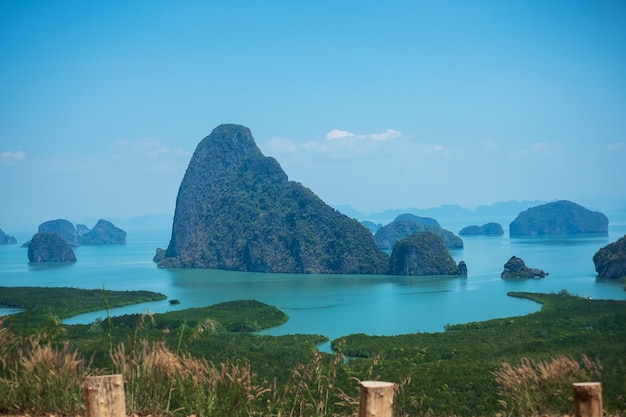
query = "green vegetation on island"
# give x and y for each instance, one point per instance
(42, 303)
(423, 253)
(209, 362)
(451, 372)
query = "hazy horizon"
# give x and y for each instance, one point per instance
(382, 106)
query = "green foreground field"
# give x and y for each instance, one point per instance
(447, 373)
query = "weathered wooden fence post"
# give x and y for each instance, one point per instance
(376, 398)
(588, 399)
(104, 396)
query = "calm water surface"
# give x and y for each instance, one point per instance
(335, 305)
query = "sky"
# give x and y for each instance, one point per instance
(376, 105)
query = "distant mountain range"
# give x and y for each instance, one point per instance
(500, 209)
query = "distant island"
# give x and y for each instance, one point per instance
(407, 224)
(49, 247)
(557, 218)
(103, 233)
(516, 268)
(6, 239)
(489, 229)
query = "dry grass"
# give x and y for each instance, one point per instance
(35, 377)
(545, 387)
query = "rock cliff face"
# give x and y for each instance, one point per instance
(61, 227)
(489, 229)
(423, 254)
(406, 225)
(103, 233)
(516, 268)
(81, 229)
(50, 247)
(610, 261)
(560, 217)
(237, 210)
(6, 239)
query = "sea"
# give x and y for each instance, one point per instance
(335, 305)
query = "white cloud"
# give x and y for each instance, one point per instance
(10, 157)
(339, 134)
(280, 145)
(539, 148)
(386, 135)
(435, 148)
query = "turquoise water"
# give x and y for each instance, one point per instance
(336, 305)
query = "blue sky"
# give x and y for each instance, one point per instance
(373, 104)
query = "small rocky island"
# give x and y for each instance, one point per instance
(61, 227)
(487, 229)
(103, 233)
(50, 247)
(423, 254)
(558, 218)
(406, 225)
(516, 268)
(610, 261)
(6, 239)
(237, 210)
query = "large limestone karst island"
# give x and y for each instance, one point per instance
(237, 210)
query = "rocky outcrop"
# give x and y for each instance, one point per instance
(159, 255)
(516, 268)
(61, 227)
(50, 247)
(610, 261)
(557, 218)
(488, 229)
(406, 225)
(237, 210)
(103, 233)
(423, 254)
(6, 239)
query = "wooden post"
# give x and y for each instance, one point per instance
(588, 399)
(104, 396)
(376, 398)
